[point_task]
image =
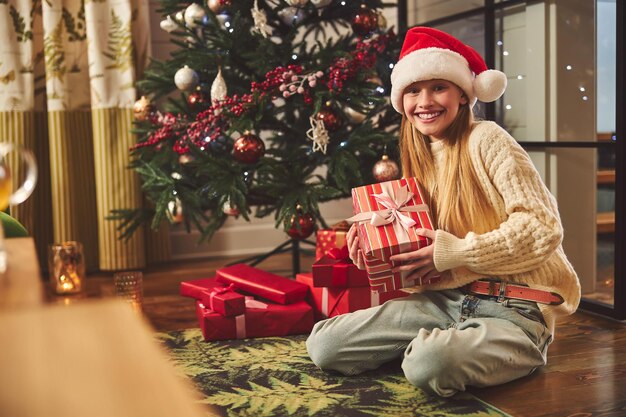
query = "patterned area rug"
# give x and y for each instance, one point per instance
(275, 377)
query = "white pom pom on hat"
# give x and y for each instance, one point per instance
(430, 54)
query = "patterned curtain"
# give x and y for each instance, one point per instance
(67, 75)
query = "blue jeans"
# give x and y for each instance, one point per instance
(447, 340)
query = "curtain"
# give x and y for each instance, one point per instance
(67, 88)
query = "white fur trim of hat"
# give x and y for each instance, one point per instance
(430, 54)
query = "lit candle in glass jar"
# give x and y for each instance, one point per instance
(67, 267)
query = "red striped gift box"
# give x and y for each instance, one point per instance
(387, 214)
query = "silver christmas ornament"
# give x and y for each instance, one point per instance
(195, 16)
(297, 3)
(186, 79)
(291, 15)
(219, 90)
(321, 3)
(168, 24)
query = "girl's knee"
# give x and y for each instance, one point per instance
(322, 346)
(430, 367)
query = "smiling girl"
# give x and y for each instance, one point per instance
(504, 278)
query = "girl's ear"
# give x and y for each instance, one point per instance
(464, 100)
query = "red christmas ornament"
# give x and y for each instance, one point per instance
(307, 226)
(248, 148)
(198, 99)
(365, 22)
(331, 120)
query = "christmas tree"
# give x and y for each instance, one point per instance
(268, 107)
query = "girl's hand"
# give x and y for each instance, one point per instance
(352, 241)
(421, 261)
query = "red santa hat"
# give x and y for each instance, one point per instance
(429, 54)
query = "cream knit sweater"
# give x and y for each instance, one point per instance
(526, 247)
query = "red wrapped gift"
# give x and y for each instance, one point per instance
(196, 287)
(219, 298)
(262, 283)
(387, 215)
(328, 239)
(337, 270)
(262, 320)
(330, 302)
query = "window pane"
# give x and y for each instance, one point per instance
(584, 189)
(549, 56)
(420, 11)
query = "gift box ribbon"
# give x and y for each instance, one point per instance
(374, 300)
(394, 206)
(218, 291)
(339, 254)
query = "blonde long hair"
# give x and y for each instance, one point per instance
(459, 204)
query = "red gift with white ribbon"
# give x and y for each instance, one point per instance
(215, 295)
(259, 320)
(329, 302)
(387, 216)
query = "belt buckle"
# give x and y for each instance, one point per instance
(502, 292)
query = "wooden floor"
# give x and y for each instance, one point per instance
(585, 375)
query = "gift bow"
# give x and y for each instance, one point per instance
(339, 254)
(393, 213)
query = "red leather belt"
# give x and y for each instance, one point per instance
(503, 290)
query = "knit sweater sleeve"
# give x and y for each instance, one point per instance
(531, 228)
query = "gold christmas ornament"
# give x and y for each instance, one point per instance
(142, 109)
(354, 116)
(175, 211)
(382, 21)
(219, 90)
(218, 6)
(386, 170)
